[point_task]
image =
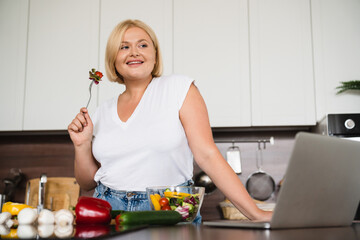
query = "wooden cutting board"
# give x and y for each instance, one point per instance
(60, 193)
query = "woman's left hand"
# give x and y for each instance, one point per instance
(265, 216)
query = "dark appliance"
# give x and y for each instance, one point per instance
(342, 125)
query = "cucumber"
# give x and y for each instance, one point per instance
(114, 213)
(149, 218)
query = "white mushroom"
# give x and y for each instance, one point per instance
(64, 217)
(26, 231)
(45, 230)
(64, 231)
(27, 216)
(4, 230)
(4, 217)
(9, 223)
(46, 217)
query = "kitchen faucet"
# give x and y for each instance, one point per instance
(42, 183)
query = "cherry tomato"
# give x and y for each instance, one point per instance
(163, 201)
(99, 74)
(118, 219)
(166, 208)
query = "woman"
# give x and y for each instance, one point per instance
(149, 134)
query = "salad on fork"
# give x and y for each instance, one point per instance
(95, 77)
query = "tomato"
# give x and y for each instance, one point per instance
(166, 207)
(118, 219)
(99, 74)
(163, 201)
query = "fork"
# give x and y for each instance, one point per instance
(92, 82)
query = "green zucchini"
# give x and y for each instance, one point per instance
(149, 218)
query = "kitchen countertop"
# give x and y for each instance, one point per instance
(190, 231)
(178, 232)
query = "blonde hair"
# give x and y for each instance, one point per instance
(113, 46)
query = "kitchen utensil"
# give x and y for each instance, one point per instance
(61, 193)
(2, 201)
(41, 195)
(90, 86)
(233, 158)
(203, 180)
(260, 185)
(94, 76)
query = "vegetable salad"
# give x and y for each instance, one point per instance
(184, 203)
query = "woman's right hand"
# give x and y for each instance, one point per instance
(81, 128)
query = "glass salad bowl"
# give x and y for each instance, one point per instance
(186, 200)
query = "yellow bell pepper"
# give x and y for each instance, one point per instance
(11, 235)
(14, 208)
(157, 196)
(155, 202)
(176, 194)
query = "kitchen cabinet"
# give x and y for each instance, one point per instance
(256, 63)
(281, 66)
(13, 28)
(253, 65)
(156, 13)
(63, 43)
(211, 46)
(336, 36)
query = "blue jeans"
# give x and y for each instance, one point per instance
(130, 200)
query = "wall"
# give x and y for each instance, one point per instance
(53, 153)
(34, 155)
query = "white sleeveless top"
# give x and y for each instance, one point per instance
(150, 148)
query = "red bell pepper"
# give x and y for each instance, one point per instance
(91, 231)
(90, 210)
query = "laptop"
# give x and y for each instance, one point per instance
(321, 187)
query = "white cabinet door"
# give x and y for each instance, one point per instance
(62, 47)
(211, 46)
(156, 13)
(336, 26)
(13, 28)
(282, 84)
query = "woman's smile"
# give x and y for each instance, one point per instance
(134, 62)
